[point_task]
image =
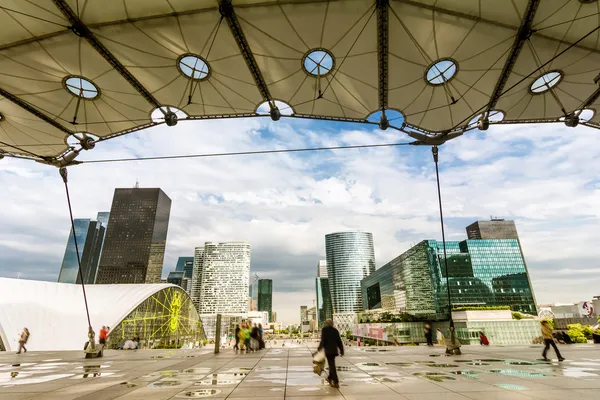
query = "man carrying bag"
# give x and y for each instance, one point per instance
(330, 344)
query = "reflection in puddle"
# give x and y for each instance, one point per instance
(444, 365)
(477, 363)
(518, 373)
(198, 393)
(519, 362)
(167, 383)
(400, 364)
(510, 386)
(435, 376)
(197, 370)
(216, 382)
(467, 374)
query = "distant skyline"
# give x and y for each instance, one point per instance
(545, 177)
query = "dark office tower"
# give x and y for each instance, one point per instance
(261, 294)
(324, 306)
(134, 247)
(493, 229)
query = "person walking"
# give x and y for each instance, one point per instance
(237, 338)
(23, 338)
(549, 341)
(330, 343)
(428, 334)
(102, 335)
(440, 337)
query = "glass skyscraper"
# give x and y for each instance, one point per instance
(135, 241)
(480, 273)
(350, 258)
(185, 264)
(69, 270)
(262, 295)
(90, 239)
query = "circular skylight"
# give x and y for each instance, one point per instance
(284, 108)
(493, 116)
(584, 115)
(546, 82)
(318, 62)
(158, 114)
(81, 87)
(395, 117)
(194, 67)
(441, 71)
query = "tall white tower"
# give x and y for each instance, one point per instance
(224, 269)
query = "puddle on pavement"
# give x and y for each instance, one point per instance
(33, 380)
(129, 385)
(425, 362)
(343, 368)
(443, 365)
(168, 383)
(518, 373)
(575, 373)
(435, 376)
(584, 364)
(309, 389)
(159, 357)
(195, 394)
(300, 368)
(197, 370)
(510, 386)
(216, 382)
(467, 374)
(400, 364)
(517, 362)
(478, 363)
(93, 375)
(491, 360)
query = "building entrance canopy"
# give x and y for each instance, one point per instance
(74, 72)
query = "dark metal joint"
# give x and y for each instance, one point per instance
(63, 174)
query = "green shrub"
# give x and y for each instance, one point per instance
(575, 332)
(587, 332)
(517, 315)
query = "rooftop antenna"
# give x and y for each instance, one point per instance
(137, 183)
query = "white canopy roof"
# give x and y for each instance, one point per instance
(55, 314)
(441, 63)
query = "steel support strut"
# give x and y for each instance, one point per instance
(80, 29)
(523, 34)
(452, 347)
(227, 11)
(383, 50)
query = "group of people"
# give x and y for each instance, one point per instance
(429, 335)
(249, 337)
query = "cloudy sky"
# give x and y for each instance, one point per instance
(546, 177)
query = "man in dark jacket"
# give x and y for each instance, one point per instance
(330, 344)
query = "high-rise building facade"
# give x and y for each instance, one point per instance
(90, 238)
(350, 258)
(303, 314)
(197, 276)
(261, 294)
(135, 241)
(480, 273)
(185, 264)
(494, 229)
(225, 272)
(324, 307)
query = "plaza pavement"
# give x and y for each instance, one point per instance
(402, 373)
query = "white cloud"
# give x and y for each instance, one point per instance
(284, 204)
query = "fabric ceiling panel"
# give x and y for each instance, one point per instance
(36, 73)
(28, 133)
(151, 49)
(23, 20)
(106, 11)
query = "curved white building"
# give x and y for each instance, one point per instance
(55, 314)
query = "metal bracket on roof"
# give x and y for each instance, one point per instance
(31, 109)
(65, 160)
(383, 50)
(438, 140)
(572, 119)
(227, 11)
(80, 29)
(523, 34)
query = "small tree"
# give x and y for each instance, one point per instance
(587, 332)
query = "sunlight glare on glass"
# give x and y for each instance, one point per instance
(194, 67)
(158, 115)
(318, 62)
(81, 87)
(546, 82)
(441, 72)
(284, 108)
